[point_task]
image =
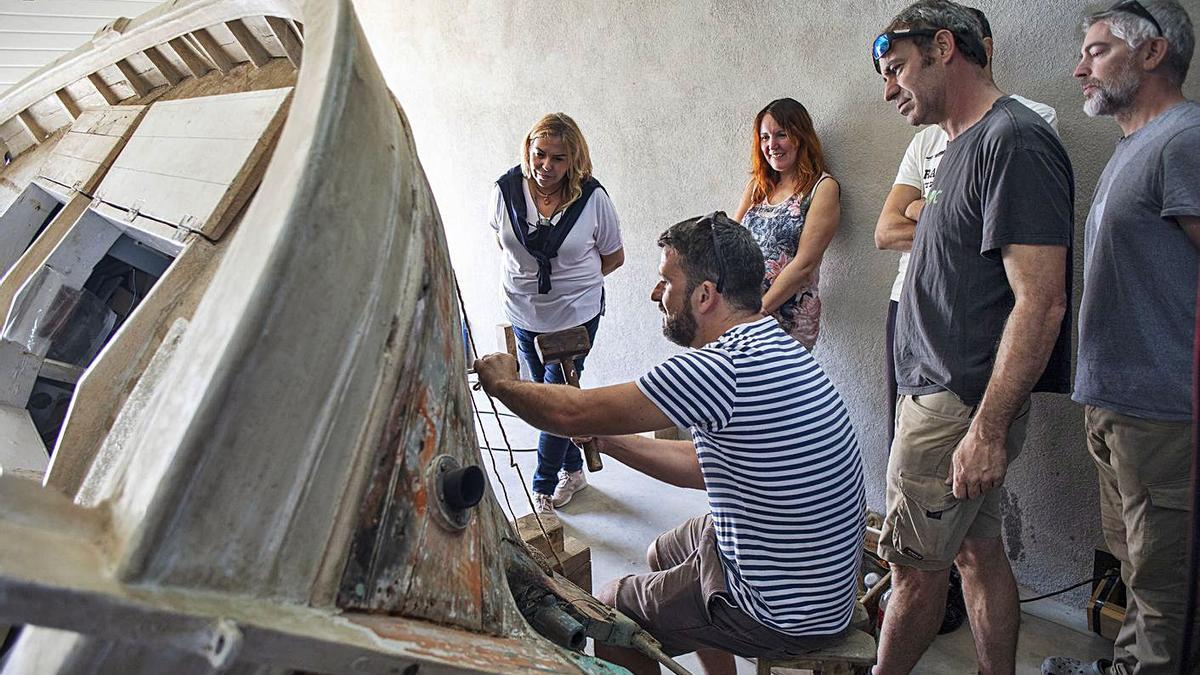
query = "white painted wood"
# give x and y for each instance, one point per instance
(187, 156)
(31, 125)
(103, 89)
(21, 221)
(21, 449)
(249, 42)
(133, 77)
(190, 56)
(161, 24)
(90, 146)
(68, 103)
(288, 38)
(165, 67)
(34, 33)
(213, 50)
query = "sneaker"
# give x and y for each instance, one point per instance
(1065, 665)
(543, 504)
(568, 484)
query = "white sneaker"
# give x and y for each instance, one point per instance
(543, 504)
(568, 484)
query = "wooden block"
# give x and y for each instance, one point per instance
(1105, 616)
(871, 540)
(576, 563)
(531, 533)
(668, 434)
(858, 649)
(506, 338)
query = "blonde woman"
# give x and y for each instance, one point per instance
(560, 235)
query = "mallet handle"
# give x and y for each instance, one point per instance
(590, 453)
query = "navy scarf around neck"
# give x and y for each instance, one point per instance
(544, 242)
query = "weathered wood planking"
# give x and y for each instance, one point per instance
(288, 38)
(21, 448)
(194, 162)
(38, 252)
(111, 380)
(88, 149)
(167, 69)
(196, 64)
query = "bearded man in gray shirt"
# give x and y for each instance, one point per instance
(1137, 320)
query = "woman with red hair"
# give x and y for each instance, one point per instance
(792, 206)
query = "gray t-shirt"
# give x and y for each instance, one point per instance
(1006, 180)
(1137, 322)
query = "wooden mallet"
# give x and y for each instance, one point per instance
(562, 347)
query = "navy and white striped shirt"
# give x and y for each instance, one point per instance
(782, 469)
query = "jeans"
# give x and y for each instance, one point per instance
(554, 452)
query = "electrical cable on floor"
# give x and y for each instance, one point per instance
(1071, 588)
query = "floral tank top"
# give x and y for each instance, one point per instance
(777, 230)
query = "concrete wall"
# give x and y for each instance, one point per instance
(665, 93)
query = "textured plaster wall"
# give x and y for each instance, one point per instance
(665, 93)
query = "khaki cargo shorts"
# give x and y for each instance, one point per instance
(925, 523)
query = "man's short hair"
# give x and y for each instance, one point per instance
(985, 27)
(1136, 30)
(939, 14)
(739, 269)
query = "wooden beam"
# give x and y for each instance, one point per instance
(68, 103)
(169, 72)
(31, 125)
(213, 51)
(103, 89)
(284, 31)
(186, 53)
(254, 49)
(139, 84)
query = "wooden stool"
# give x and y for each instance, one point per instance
(852, 656)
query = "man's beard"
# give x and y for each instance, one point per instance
(1113, 96)
(680, 328)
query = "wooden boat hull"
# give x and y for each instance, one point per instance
(273, 499)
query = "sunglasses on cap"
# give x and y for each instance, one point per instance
(1137, 9)
(883, 43)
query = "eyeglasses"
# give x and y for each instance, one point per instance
(883, 43)
(716, 242)
(1135, 8)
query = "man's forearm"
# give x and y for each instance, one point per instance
(549, 407)
(1025, 346)
(672, 462)
(894, 232)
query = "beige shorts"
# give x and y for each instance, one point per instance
(684, 603)
(925, 524)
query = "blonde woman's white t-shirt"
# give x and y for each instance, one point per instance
(577, 286)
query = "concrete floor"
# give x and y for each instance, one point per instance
(622, 511)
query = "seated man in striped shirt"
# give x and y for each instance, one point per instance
(773, 568)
